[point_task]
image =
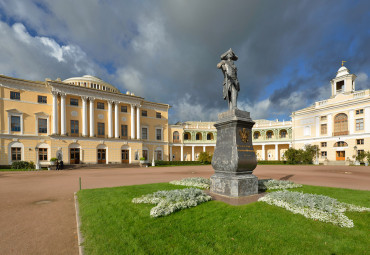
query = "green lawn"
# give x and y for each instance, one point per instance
(111, 224)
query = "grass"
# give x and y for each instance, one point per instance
(111, 224)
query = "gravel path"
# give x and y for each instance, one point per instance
(37, 209)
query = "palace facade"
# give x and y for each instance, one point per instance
(79, 120)
(86, 120)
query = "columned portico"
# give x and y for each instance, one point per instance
(84, 116)
(171, 153)
(132, 122)
(116, 120)
(55, 112)
(110, 126)
(92, 123)
(63, 114)
(138, 122)
(204, 148)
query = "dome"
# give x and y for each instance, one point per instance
(93, 82)
(342, 71)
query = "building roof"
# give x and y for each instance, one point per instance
(91, 79)
(342, 71)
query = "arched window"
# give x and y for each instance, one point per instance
(256, 135)
(340, 124)
(176, 137)
(187, 136)
(341, 144)
(283, 133)
(269, 134)
(198, 136)
(209, 136)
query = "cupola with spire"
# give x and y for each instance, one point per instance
(344, 82)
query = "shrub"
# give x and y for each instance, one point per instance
(177, 163)
(205, 158)
(270, 184)
(198, 182)
(317, 207)
(169, 201)
(53, 159)
(23, 165)
(271, 162)
(306, 156)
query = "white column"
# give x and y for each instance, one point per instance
(138, 123)
(63, 114)
(55, 112)
(132, 122)
(182, 152)
(351, 122)
(276, 152)
(116, 120)
(330, 125)
(170, 153)
(263, 152)
(367, 119)
(192, 153)
(84, 116)
(92, 122)
(204, 148)
(110, 119)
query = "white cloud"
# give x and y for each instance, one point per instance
(259, 110)
(362, 81)
(132, 80)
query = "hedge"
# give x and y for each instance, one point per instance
(178, 163)
(271, 162)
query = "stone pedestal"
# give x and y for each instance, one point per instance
(234, 159)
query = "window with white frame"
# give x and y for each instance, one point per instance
(16, 153)
(15, 124)
(42, 125)
(324, 154)
(43, 154)
(158, 134)
(360, 124)
(144, 133)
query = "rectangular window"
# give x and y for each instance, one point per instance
(74, 127)
(124, 131)
(323, 118)
(100, 105)
(123, 108)
(15, 123)
(158, 115)
(324, 144)
(324, 129)
(42, 99)
(101, 128)
(145, 154)
(324, 154)
(15, 95)
(360, 111)
(16, 153)
(360, 141)
(144, 133)
(43, 126)
(43, 154)
(73, 101)
(360, 124)
(158, 134)
(144, 113)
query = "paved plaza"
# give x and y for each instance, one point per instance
(37, 214)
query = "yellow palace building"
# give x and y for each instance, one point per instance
(86, 120)
(79, 120)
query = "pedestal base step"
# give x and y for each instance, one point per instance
(234, 185)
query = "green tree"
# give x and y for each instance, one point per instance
(306, 156)
(205, 158)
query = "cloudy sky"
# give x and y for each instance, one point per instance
(167, 51)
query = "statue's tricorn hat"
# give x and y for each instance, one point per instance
(229, 53)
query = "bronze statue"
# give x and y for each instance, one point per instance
(231, 83)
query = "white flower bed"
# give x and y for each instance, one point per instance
(198, 182)
(271, 184)
(169, 201)
(317, 207)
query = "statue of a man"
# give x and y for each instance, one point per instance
(231, 83)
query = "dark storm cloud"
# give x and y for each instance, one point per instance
(167, 51)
